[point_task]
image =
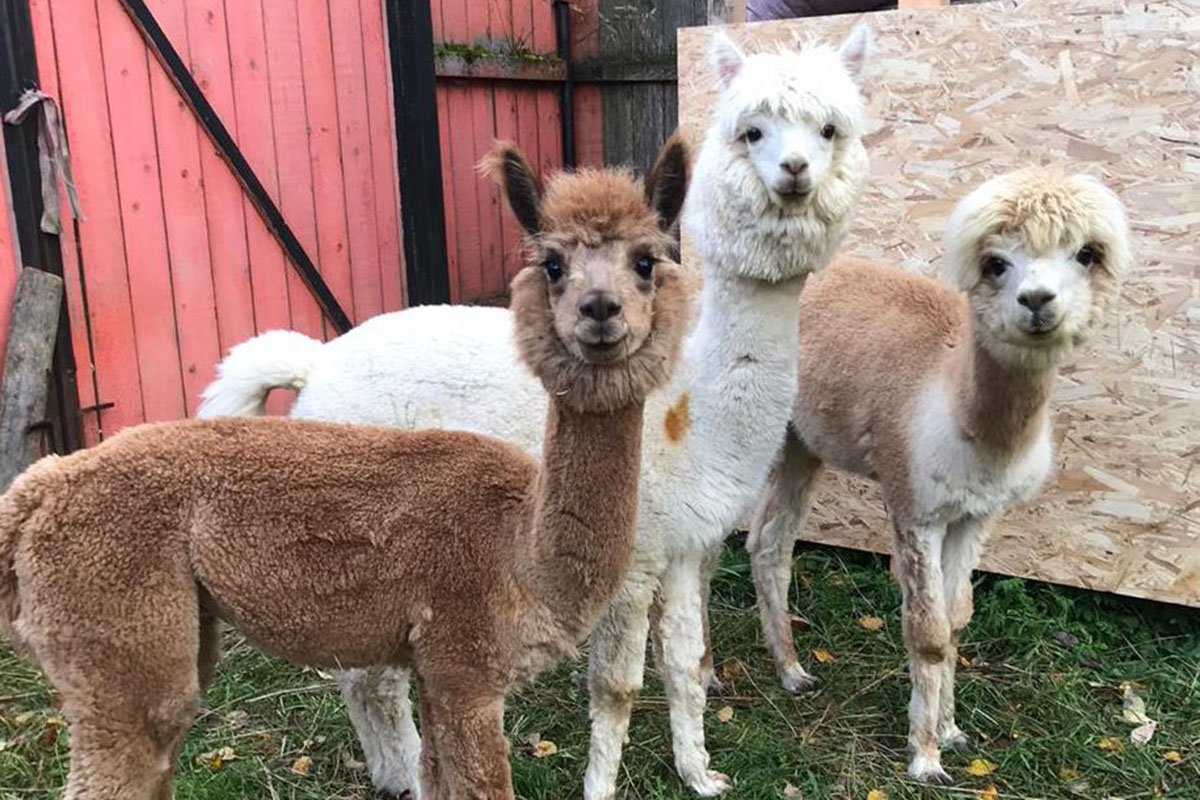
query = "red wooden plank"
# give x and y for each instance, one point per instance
(9, 259)
(455, 25)
(549, 130)
(255, 135)
(435, 13)
(449, 201)
(44, 42)
(357, 171)
(294, 171)
(543, 26)
(478, 19)
(179, 143)
(208, 49)
(383, 154)
(325, 150)
(127, 77)
(466, 200)
(491, 255)
(507, 122)
(589, 132)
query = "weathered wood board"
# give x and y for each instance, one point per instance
(1109, 88)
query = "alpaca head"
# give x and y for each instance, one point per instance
(601, 308)
(1040, 254)
(786, 136)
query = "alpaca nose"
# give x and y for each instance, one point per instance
(794, 166)
(600, 305)
(1035, 299)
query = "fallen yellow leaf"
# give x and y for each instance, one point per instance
(871, 623)
(215, 759)
(544, 749)
(302, 765)
(877, 794)
(1173, 756)
(990, 793)
(725, 714)
(980, 767)
(1109, 743)
(1068, 774)
(791, 792)
(823, 655)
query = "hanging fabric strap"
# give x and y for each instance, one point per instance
(53, 159)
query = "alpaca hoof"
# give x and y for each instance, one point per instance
(928, 770)
(796, 681)
(957, 740)
(711, 783)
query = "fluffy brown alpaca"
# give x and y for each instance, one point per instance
(340, 546)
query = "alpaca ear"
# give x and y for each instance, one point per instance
(518, 182)
(855, 48)
(726, 58)
(666, 185)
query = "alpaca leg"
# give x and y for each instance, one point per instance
(960, 554)
(378, 702)
(431, 773)
(681, 630)
(777, 521)
(927, 640)
(210, 646)
(708, 568)
(471, 762)
(615, 670)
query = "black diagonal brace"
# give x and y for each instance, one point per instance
(158, 43)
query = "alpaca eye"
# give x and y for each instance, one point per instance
(828, 132)
(553, 268)
(1087, 255)
(644, 267)
(753, 135)
(994, 266)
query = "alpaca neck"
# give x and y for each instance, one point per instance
(584, 511)
(739, 374)
(1001, 406)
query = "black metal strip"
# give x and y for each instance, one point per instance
(419, 160)
(18, 72)
(566, 99)
(162, 48)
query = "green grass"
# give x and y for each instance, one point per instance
(1041, 693)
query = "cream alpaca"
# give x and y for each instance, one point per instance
(775, 186)
(942, 397)
(450, 553)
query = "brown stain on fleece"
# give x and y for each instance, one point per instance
(677, 421)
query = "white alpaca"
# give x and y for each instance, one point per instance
(944, 398)
(775, 183)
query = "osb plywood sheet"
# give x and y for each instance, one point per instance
(1109, 88)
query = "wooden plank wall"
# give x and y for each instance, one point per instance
(959, 94)
(482, 241)
(174, 264)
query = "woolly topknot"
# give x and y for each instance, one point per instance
(1049, 210)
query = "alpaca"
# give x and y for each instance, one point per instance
(943, 398)
(776, 182)
(450, 553)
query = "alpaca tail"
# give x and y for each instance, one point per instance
(275, 359)
(17, 505)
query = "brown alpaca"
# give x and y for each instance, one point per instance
(341, 546)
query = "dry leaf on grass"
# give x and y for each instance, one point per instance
(1173, 756)
(990, 793)
(877, 794)
(791, 792)
(980, 767)
(544, 749)
(1068, 774)
(822, 655)
(1111, 744)
(1143, 733)
(871, 623)
(215, 759)
(302, 765)
(1133, 707)
(725, 714)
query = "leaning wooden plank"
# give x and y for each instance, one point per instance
(27, 358)
(8, 250)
